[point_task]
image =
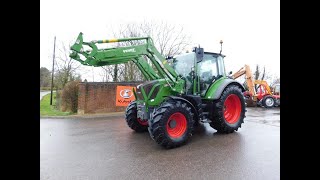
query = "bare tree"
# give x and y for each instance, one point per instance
(65, 67)
(257, 73)
(112, 72)
(170, 39)
(259, 76)
(264, 73)
(275, 79)
(105, 73)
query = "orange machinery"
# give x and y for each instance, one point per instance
(262, 95)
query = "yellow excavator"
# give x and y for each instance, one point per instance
(262, 95)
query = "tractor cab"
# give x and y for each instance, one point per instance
(199, 71)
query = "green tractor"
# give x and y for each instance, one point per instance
(180, 92)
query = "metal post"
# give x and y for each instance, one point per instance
(54, 49)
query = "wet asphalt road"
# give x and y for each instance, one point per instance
(105, 148)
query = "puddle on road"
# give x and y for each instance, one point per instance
(254, 115)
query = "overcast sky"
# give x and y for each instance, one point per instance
(250, 29)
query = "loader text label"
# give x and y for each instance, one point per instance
(129, 50)
(124, 95)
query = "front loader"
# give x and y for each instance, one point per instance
(176, 96)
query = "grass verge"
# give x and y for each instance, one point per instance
(47, 110)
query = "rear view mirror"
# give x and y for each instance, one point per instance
(199, 53)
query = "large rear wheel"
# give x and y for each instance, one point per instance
(171, 124)
(229, 110)
(133, 122)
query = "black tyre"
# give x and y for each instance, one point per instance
(171, 124)
(229, 110)
(277, 102)
(268, 101)
(132, 120)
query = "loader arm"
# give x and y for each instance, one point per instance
(249, 78)
(265, 85)
(137, 54)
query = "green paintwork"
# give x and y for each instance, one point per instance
(213, 88)
(167, 79)
(102, 57)
(108, 56)
(164, 91)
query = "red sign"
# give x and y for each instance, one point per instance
(124, 95)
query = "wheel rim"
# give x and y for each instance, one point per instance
(140, 121)
(232, 109)
(176, 125)
(269, 102)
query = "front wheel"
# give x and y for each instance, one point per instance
(133, 122)
(228, 111)
(268, 101)
(171, 124)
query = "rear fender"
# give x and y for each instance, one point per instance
(215, 90)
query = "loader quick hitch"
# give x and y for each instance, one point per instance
(77, 46)
(77, 49)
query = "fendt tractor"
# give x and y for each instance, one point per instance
(180, 92)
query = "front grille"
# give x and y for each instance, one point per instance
(147, 88)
